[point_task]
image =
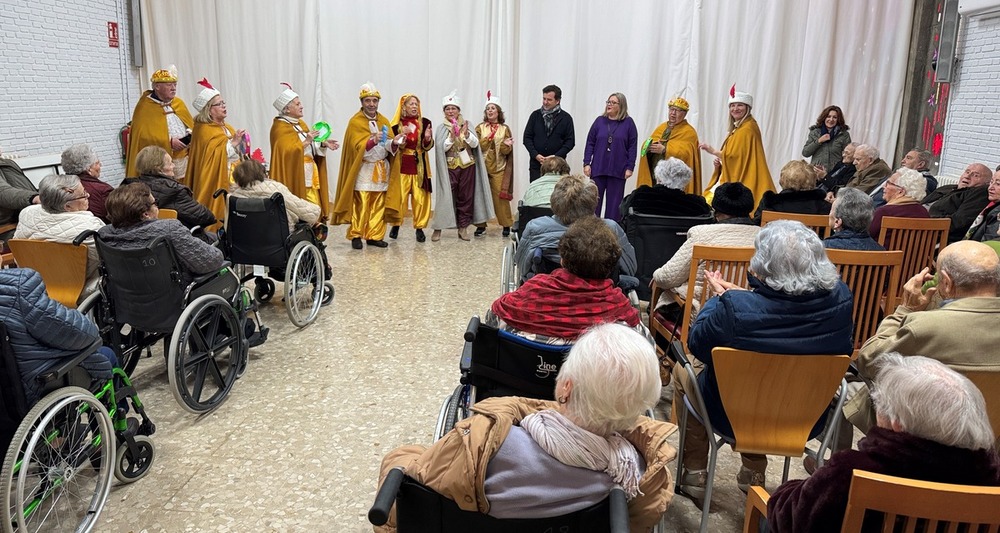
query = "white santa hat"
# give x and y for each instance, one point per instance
(284, 98)
(207, 93)
(492, 99)
(736, 97)
(452, 99)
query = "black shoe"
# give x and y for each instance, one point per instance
(377, 244)
(420, 236)
(506, 232)
(259, 337)
(394, 232)
(356, 243)
(479, 232)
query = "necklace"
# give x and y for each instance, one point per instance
(611, 133)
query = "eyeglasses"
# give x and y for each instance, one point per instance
(612, 102)
(81, 197)
(893, 184)
(223, 104)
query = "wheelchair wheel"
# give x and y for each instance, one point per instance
(127, 345)
(131, 467)
(57, 472)
(328, 293)
(263, 290)
(304, 284)
(206, 349)
(507, 283)
(451, 412)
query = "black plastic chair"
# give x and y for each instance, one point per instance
(656, 239)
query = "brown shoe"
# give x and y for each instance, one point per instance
(463, 233)
(436, 236)
(747, 478)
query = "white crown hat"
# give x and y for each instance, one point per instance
(452, 99)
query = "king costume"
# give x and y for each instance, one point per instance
(155, 122)
(296, 161)
(680, 141)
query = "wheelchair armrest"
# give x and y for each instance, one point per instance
(222, 192)
(677, 350)
(465, 363)
(619, 510)
(202, 278)
(379, 513)
(83, 236)
(65, 366)
(473, 327)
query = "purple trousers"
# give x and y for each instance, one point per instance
(463, 188)
(610, 191)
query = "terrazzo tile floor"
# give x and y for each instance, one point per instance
(296, 446)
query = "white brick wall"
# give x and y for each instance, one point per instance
(972, 129)
(60, 82)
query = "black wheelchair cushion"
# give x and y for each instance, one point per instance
(144, 285)
(506, 365)
(257, 231)
(656, 239)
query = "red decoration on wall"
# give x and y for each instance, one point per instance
(112, 34)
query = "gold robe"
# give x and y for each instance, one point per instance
(682, 144)
(743, 160)
(149, 128)
(395, 199)
(351, 157)
(288, 166)
(209, 168)
(499, 161)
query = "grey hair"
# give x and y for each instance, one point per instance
(867, 150)
(929, 400)
(913, 183)
(924, 156)
(78, 158)
(573, 197)
(854, 209)
(615, 378)
(56, 190)
(672, 173)
(790, 258)
(969, 275)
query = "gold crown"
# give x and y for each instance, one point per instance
(163, 76)
(369, 89)
(679, 103)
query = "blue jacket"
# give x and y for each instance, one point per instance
(42, 331)
(848, 239)
(765, 320)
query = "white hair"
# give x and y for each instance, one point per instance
(867, 150)
(672, 173)
(913, 183)
(56, 190)
(929, 400)
(789, 257)
(615, 378)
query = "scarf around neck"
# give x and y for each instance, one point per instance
(549, 117)
(574, 446)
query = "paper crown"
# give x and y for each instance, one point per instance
(736, 97)
(284, 98)
(679, 103)
(492, 99)
(165, 75)
(207, 93)
(452, 99)
(368, 89)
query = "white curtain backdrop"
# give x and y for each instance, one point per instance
(794, 56)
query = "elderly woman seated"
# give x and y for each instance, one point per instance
(557, 307)
(667, 198)
(903, 192)
(932, 426)
(134, 225)
(522, 458)
(573, 198)
(81, 161)
(799, 193)
(796, 305)
(60, 217)
(156, 171)
(850, 217)
(539, 191)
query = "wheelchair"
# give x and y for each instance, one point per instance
(420, 509)
(144, 297)
(57, 470)
(656, 239)
(499, 363)
(509, 275)
(256, 234)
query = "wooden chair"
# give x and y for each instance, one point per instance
(167, 213)
(773, 402)
(818, 223)
(918, 238)
(63, 267)
(873, 278)
(989, 384)
(6, 259)
(902, 503)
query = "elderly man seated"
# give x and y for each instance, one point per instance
(986, 225)
(523, 458)
(574, 197)
(871, 169)
(932, 426)
(556, 308)
(962, 333)
(667, 198)
(16, 193)
(796, 305)
(962, 202)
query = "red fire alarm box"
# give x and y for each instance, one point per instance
(112, 34)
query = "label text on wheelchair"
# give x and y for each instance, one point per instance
(543, 370)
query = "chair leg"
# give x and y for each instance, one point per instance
(706, 506)
(680, 452)
(784, 473)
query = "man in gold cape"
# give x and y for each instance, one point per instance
(160, 119)
(741, 155)
(290, 154)
(679, 140)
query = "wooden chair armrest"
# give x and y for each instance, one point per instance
(756, 509)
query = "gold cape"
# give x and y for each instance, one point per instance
(352, 154)
(149, 128)
(395, 203)
(743, 160)
(288, 162)
(208, 165)
(682, 144)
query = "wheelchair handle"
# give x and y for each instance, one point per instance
(619, 511)
(220, 191)
(470, 331)
(378, 515)
(83, 236)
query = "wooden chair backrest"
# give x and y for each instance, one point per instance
(773, 401)
(733, 262)
(989, 384)
(167, 213)
(871, 276)
(6, 259)
(63, 266)
(918, 238)
(903, 501)
(818, 223)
